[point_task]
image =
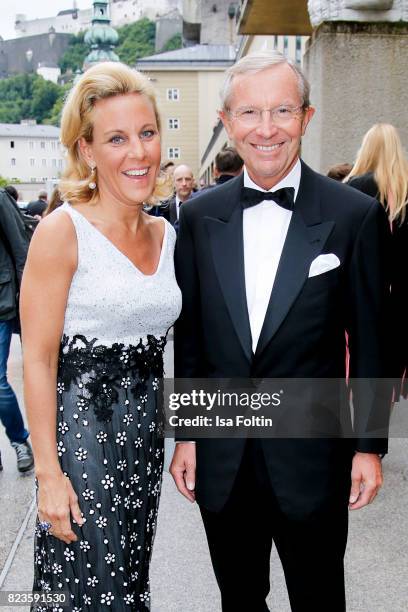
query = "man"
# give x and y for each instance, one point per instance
(183, 185)
(228, 164)
(37, 208)
(271, 282)
(13, 253)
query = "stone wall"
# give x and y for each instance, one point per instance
(358, 77)
(47, 48)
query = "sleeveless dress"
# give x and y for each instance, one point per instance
(108, 425)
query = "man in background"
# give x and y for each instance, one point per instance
(183, 185)
(13, 253)
(37, 207)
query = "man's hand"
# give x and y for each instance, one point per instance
(366, 479)
(183, 469)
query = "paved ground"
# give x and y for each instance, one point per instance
(181, 575)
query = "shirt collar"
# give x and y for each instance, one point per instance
(290, 180)
(178, 201)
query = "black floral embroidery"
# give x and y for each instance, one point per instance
(108, 366)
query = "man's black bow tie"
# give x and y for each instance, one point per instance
(284, 197)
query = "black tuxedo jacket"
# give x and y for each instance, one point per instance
(303, 335)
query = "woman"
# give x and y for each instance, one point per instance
(55, 202)
(381, 171)
(99, 294)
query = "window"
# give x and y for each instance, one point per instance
(53, 145)
(42, 144)
(43, 162)
(275, 41)
(285, 45)
(298, 49)
(173, 152)
(13, 161)
(11, 144)
(54, 163)
(32, 161)
(31, 144)
(33, 179)
(60, 163)
(173, 94)
(174, 124)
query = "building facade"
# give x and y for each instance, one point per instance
(73, 20)
(187, 82)
(30, 153)
(26, 55)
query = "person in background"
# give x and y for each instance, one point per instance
(228, 164)
(168, 167)
(37, 207)
(381, 171)
(13, 253)
(12, 191)
(55, 202)
(183, 185)
(339, 171)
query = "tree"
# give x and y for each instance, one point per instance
(175, 42)
(27, 96)
(136, 40)
(75, 54)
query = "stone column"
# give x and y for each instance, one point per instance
(358, 76)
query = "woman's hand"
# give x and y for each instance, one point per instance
(57, 501)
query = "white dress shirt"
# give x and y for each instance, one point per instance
(264, 227)
(178, 204)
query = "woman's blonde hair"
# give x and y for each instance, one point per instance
(99, 82)
(381, 152)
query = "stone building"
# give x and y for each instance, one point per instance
(187, 82)
(25, 55)
(72, 20)
(30, 153)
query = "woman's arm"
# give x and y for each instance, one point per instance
(51, 264)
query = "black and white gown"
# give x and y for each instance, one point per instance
(108, 421)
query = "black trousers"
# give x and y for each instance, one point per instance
(240, 539)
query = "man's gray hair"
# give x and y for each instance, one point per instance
(256, 62)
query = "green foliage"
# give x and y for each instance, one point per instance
(74, 56)
(3, 181)
(54, 115)
(136, 40)
(175, 42)
(27, 96)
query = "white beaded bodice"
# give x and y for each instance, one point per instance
(110, 299)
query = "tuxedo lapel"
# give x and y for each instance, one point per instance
(305, 239)
(173, 211)
(227, 248)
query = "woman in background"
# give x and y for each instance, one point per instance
(54, 202)
(381, 171)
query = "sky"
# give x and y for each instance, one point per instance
(32, 9)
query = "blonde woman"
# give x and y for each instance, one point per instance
(381, 170)
(98, 296)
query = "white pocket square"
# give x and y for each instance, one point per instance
(323, 263)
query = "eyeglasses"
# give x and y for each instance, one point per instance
(250, 116)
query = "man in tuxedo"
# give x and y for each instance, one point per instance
(183, 185)
(275, 266)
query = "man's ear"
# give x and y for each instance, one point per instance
(309, 112)
(223, 115)
(85, 150)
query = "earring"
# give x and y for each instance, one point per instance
(92, 183)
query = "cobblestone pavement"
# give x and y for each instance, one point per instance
(181, 575)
